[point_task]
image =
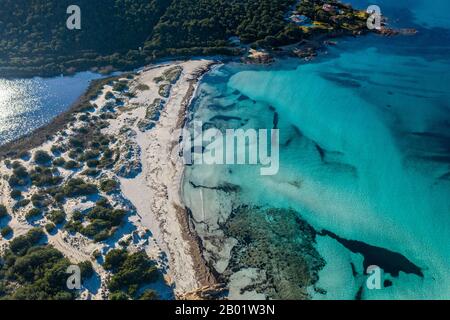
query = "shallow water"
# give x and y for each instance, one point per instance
(27, 104)
(365, 153)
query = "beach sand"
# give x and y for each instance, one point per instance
(156, 191)
(150, 172)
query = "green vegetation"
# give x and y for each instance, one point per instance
(90, 172)
(24, 155)
(171, 75)
(71, 165)
(35, 40)
(92, 163)
(22, 203)
(33, 213)
(204, 26)
(19, 177)
(3, 211)
(32, 271)
(149, 295)
(16, 194)
(164, 90)
(130, 273)
(6, 231)
(341, 17)
(120, 86)
(50, 227)
(20, 245)
(142, 87)
(109, 95)
(78, 187)
(56, 216)
(42, 176)
(109, 186)
(100, 222)
(56, 149)
(87, 270)
(126, 34)
(59, 162)
(42, 158)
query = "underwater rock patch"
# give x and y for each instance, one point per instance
(279, 242)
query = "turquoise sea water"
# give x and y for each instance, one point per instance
(365, 151)
(27, 104)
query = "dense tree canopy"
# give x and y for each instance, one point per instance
(34, 38)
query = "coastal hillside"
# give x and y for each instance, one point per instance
(127, 33)
(34, 37)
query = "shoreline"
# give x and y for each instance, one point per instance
(42, 134)
(162, 172)
(147, 167)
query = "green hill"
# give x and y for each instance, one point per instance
(34, 39)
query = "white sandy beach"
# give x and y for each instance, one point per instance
(157, 222)
(156, 191)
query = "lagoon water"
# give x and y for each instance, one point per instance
(27, 104)
(365, 151)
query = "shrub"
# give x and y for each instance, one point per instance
(56, 216)
(33, 213)
(96, 254)
(75, 142)
(15, 181)
(114, 259)
(73, 226)
(99, 223)
(16, 194)
(77, 216)
(56, 150)
(42, 157)
(73, 154)
(70, 165)
(16, 164)
(91, 172)
(50, 227)
(59, 162)
(120, 86)
(39, 200)
(59, 197)
(82, 130)
(21, 172)
(84, 117)
(41, 176)
(22, 203)
(149, 295)
(142, 87)
(21, 244)
(24, 155)
(109, 185)
(92, 163)
(118, 296)
(109, 95)
(88, 107)
(87, 271)
(6, 231)
(36, 272)
(77, 187)
(130, 271)
(3, 211)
